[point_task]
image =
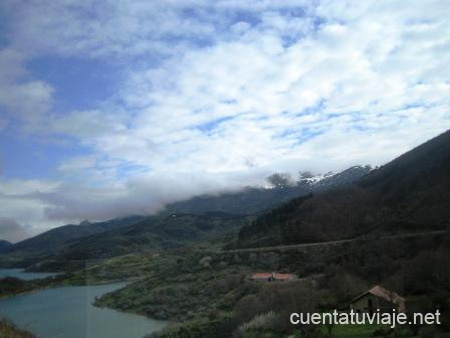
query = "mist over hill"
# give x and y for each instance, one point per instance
(282, 188)
(409, 194)
(180, 224)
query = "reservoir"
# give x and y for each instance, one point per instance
(67, 312)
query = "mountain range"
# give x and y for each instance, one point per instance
(408, 194)
(181, 223)
(253, 200)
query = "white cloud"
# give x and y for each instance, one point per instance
(238, 89)
(262, 86)
(21, 215)
(23, 98)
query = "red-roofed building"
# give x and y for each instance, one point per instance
(378, 298)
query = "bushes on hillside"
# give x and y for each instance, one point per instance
(9, 330)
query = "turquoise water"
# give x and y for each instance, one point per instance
(19, 273)
(67, 312)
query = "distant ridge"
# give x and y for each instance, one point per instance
(4, 245)
(253, 200)
(196, 219)
(409, 194)
(54, 240)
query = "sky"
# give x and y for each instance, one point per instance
(112, 108)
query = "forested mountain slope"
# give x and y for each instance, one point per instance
(154, 233)
(53, 241)
(181, 223)
(409, 194)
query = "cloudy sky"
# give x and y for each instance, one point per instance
(109, 108)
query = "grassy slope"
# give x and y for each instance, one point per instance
(182, 289)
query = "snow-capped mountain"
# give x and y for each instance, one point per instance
(282, 188)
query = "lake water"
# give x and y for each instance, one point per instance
(67, 312)
(20, 273)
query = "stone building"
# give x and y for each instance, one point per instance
(378, 298)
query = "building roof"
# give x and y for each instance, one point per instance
(390, 296)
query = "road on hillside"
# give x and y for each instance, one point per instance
(342, 241)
